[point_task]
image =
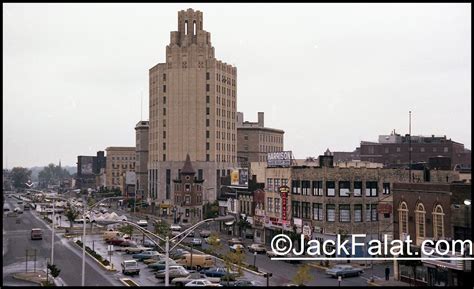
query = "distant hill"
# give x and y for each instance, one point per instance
(35, 171)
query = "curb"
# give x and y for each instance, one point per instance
(127, 279)
(26, 279)
(107, 268)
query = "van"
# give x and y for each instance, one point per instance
(36, 234)
(199, 261)
(109, 235)
(130, 267)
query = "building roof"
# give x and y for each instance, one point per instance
(188, 167)
(120, 149)
(262, 129)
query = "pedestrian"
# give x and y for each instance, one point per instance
(387, 273)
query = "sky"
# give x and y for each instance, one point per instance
(75, 76)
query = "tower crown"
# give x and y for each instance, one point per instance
(190, 29)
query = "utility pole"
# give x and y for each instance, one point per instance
(409, 145)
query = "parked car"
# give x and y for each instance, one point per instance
(115, 241)
(161, 265)
(154, 259)
(193, 276)
(205, 233)
(137, 249)
(344, 271)
(236, 248)
(130, 267)
(26, 207)
(20, 202)
(202, 283)
(234, 241)
(142, 223)
(36, 234)
(196, 242)
(197, 261)
(259, 248)
(17, 210)
(128, 243)
(244, 283)
(149, 243)
(111, 234)
(271, 253)
(145, 255)
(178, 253)
(174, 272)
(220, 272)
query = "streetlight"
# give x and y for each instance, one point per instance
(84, 204)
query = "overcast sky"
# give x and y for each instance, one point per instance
(330, 75)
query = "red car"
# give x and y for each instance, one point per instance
(116, 241)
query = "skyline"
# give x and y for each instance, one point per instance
(355, 57)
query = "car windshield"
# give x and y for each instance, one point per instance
(130, 264)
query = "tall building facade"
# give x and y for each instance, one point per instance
(141, 159)
(120, 160)
(193, 100)
(254, 140)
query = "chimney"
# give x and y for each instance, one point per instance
(260, 119)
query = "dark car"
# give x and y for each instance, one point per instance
(244, 283)
(220, 272)
(145, 255)
(128, 243)
(115, 241)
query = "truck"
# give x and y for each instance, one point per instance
(130, 267)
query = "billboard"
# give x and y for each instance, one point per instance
(239, 177)
(279, 159)
(85, 165)
(130, 178)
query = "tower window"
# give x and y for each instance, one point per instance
(164, 88)
(186, 27)
(207, 76)
(207, 99)
(194, 28)
(164, 76)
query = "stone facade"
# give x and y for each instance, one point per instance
(141, 149)
(119, 161)
(193, 100)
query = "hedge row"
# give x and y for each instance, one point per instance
(104, 262)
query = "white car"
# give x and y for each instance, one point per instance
(142, 223)
(202, 283)
(237, 248)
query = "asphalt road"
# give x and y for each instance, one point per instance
(16, 239)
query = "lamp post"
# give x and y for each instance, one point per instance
(84, 203)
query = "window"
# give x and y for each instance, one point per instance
(208, 76)
(330, 188)
(344, 213)
(270, 204)
(284, 182)
(164, 157)
(164, 76)
(187, 199)
(277, 206)
(276, 184)
(208, 158)
(164, 99)
(387, 150)
(420, 214)
(306, 210)
(438, 222)
(403, 220)
(398, 149)
(164, 146)
(434, 149)
(446, 149)
(207, 99)
(317, 211)
(164, 134)
(344, 188)
(330, 213)
(422, 150)
(199, 175)
(317, 188)
(386, 188)
(295, 187)
(207, 134)
(371, 189)
(164, 88)
(207, 122)
(295, 209)
(358, 213)
(208, 88)
(207, 146)
(306, 187)
(208, 110)
(246, 137)
(270, 184)
(370, 212)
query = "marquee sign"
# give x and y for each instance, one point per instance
(284, 190)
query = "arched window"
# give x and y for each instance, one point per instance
(438, 222)
(194, 28)
(403, 219)
(420, 214)
(186, 27)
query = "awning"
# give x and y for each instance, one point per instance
(230, 223)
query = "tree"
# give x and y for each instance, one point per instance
(52, 174)
(127, 229)
(71, 215)
(162, 229)
(54, 270)
(302, 275)
(211, 210)
(232, 259)
(20, 177)
(243, 224)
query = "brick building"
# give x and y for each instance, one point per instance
(254, 140)
(434, 211)
(120, 160)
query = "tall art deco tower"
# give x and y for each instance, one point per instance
(193, 101)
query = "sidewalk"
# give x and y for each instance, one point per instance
(391, 282)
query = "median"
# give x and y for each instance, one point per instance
(97, 257)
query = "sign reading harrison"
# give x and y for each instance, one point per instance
(279, 159)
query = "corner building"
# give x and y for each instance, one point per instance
(193, 100)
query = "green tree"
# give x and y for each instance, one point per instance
(20, 177)
(71, 214)
(211, 210)
(52, 174)
(243, 225)
(54, 270)
(127, 229)
(234, 259)
(303, 275)
(162, 229)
